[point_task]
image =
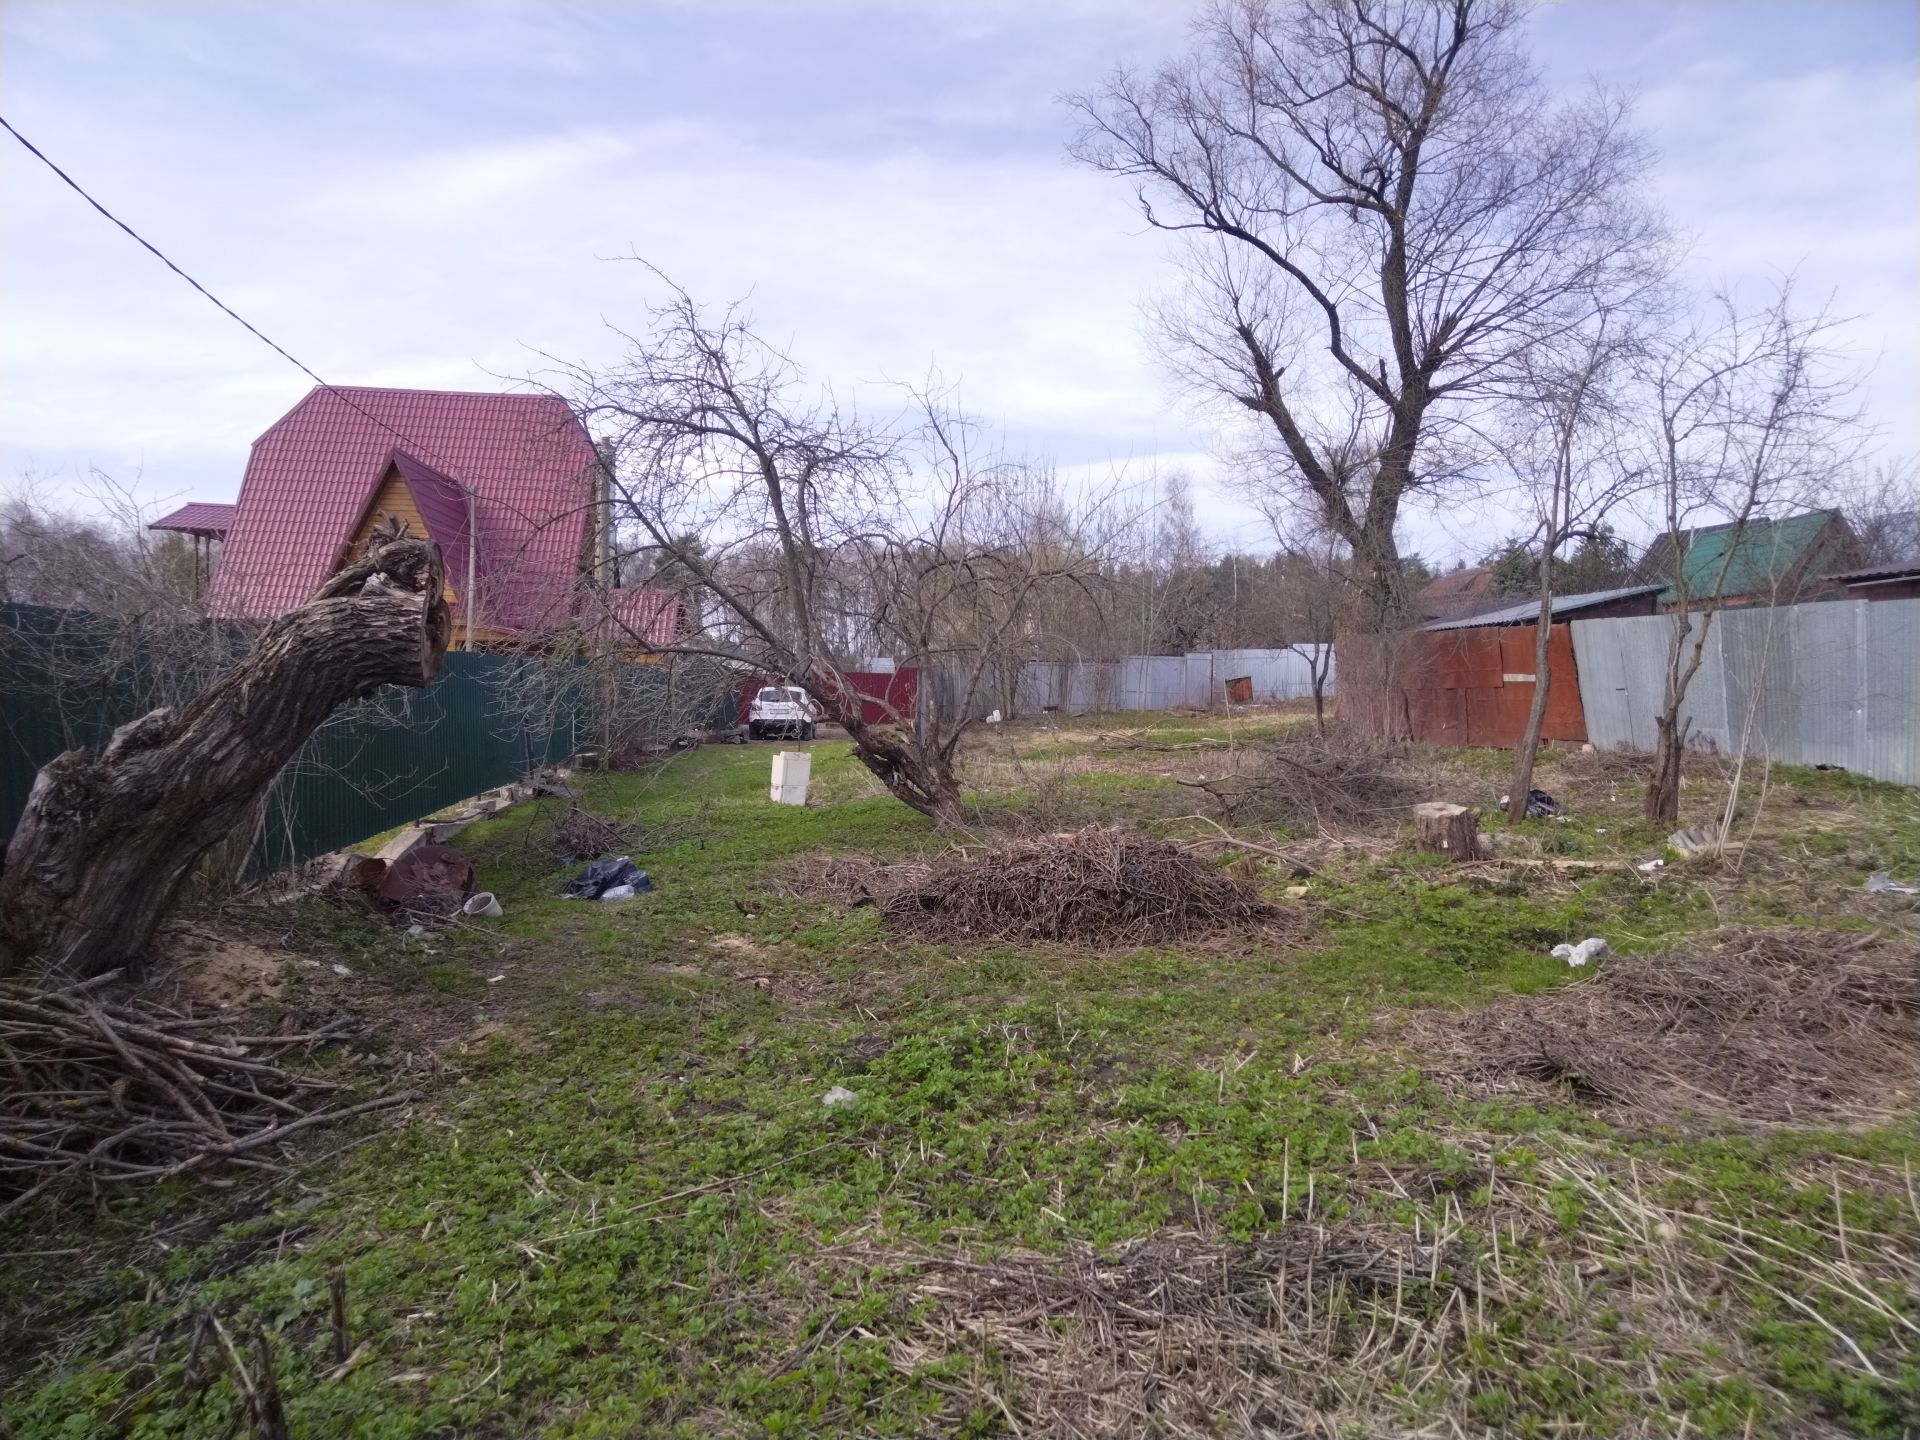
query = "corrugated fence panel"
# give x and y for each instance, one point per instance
(1161, 682)
(67, 679)
(1622, 669)
(406, 753)
(1830, 683)
(1889, 697)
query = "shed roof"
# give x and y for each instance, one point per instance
(200, 517)
(1764, 554)
(1528, 610)
(526, 458)
(1868, 574)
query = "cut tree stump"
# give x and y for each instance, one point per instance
(1454, 830)
(107, 844)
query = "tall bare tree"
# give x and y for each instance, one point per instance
(1570, 464)
(821, 532)
(1388, 212)
(1750, 409)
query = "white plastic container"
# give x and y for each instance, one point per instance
(482, 906)
(791, 771)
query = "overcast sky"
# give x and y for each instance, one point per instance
(426, 195)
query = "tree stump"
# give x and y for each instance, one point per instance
(106, 844)
(1454, 830)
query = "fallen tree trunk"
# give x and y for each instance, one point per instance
(105, 846)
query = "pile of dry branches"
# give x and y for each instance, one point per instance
(99, 1092)
(578, 835)
(1771, 1025)
(1090, 886)
(851, 880)
(1313, 781)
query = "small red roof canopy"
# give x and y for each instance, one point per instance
(201, 517)
(526, 459)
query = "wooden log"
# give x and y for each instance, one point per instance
(1453, 830)
(106, 845)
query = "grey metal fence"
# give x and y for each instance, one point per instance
(1830, 683)
(1156, 682)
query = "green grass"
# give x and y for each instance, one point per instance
(627, 1212)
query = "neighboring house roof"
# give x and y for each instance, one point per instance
(1458, 584)
(201, 517)
(1766, 555)
(1530, 609)
(1871, 574)
(651, 614)
(313, 473)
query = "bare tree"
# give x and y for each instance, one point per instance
(1568, 461)
(1882, 506)
(822, 531)
(1750, 411)
(1388, 211)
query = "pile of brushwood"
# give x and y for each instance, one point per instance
(1099, 885)
(1766, 1025)
(1313, 781)
(101, 1092)
(579, 835)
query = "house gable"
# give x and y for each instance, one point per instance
(321, 474)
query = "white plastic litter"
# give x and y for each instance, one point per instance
(994, 718)
(1690, 840)
(839, 1095)
(617, 892)
(1883, 883)
(495, 979)
(1591, 948)
(482, 905)
(341, 970)
(1649, 866)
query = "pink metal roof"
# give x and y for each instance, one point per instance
(201, 517)
(443, 505)
(652, 615)
(526, 457)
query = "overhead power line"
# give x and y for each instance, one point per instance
(227, 309)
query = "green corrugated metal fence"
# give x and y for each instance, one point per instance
(68, 679)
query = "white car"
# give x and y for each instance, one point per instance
(782, 710)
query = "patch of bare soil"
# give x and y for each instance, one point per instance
(1769, 1025)
(225, 971)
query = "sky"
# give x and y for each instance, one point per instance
(439, 195)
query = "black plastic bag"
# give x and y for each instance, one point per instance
(604, 875)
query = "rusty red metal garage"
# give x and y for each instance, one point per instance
(1471, 682)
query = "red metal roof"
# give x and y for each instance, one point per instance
(201, 517)
(651, 614)
(443, 505)
(527, 459)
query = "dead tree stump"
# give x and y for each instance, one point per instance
(1454, 830)
(106, 846)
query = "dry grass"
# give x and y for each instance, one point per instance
(1181, 1334)
(1317, 782)
(579, 835)
(1778, 1025)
